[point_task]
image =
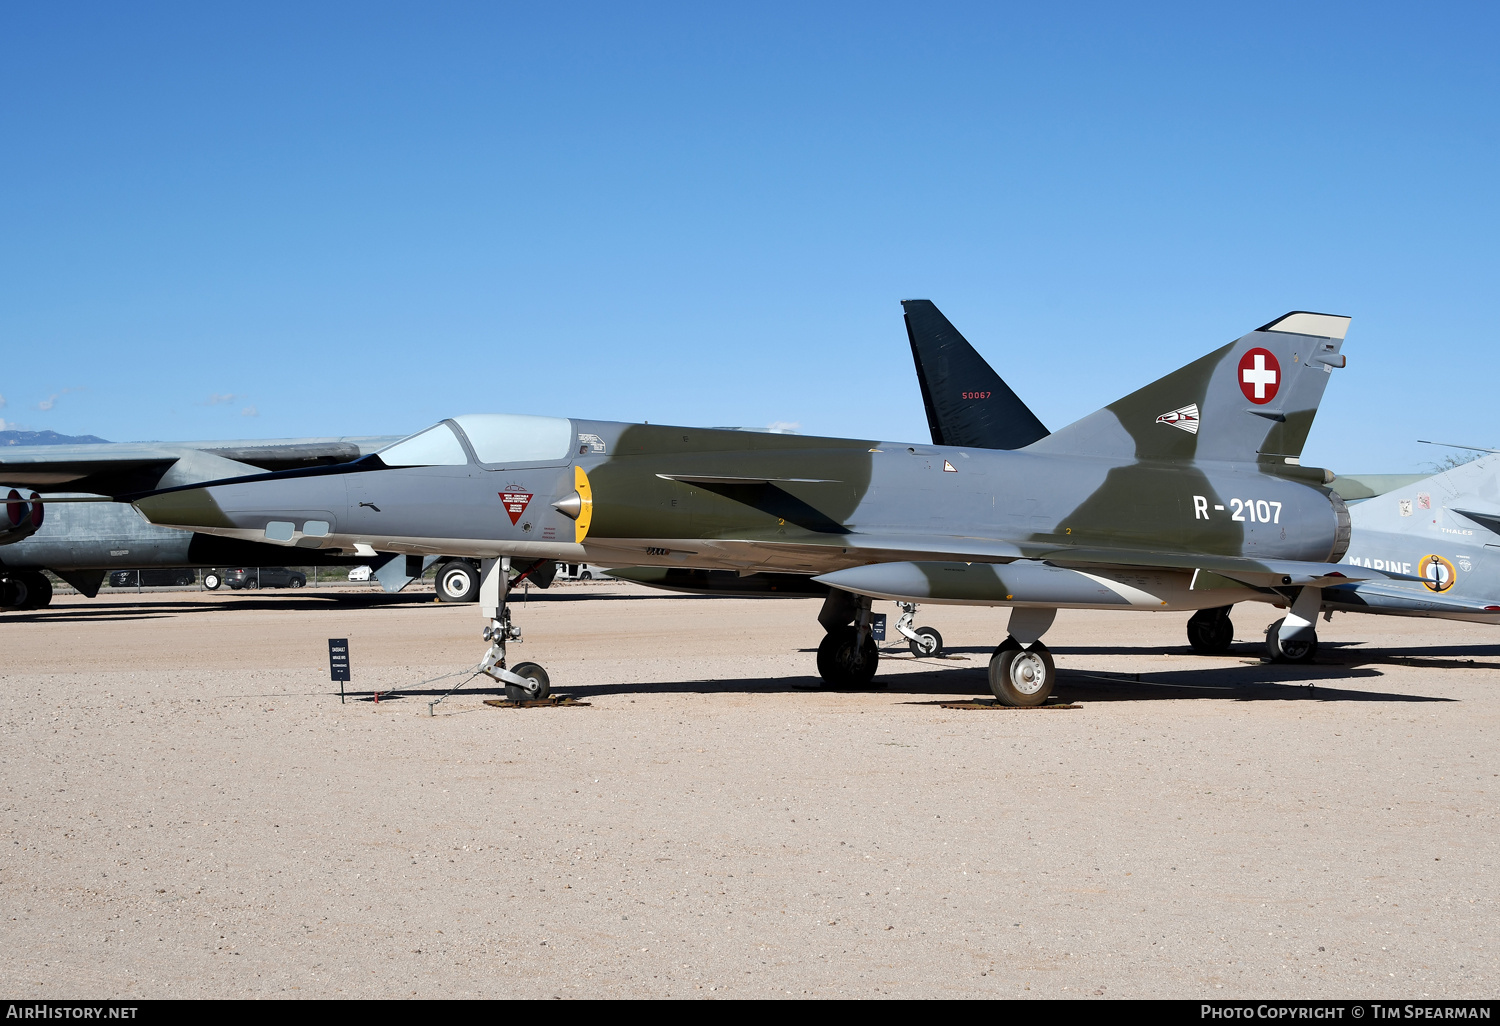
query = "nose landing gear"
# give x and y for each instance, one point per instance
(925, 642)
(526, 682)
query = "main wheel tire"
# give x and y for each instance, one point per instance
(15, 592)
(299, 582)
(930, 646)
(534, 673)
(39, 590)
(457, 582)
(1300, 651)
(212, 581)
(586, 576)
(842, 664)
(1210, 631)
(1022, 676)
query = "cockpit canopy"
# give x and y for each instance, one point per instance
(493, 438)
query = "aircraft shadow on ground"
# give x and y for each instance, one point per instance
(1229, 683)
(111, 616)
(116, 609)
(1330, 654)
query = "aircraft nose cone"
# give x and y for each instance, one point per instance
(570, 505)
(187, 507)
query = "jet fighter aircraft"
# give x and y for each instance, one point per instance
(1127, 508)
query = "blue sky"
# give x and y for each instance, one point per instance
(267, 220)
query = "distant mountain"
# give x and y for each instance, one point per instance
(46, 438)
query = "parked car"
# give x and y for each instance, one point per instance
(578, 572)
(174, 577)
(361, 573)
(263, 577)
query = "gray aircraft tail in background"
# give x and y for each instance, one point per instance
(1444, 529)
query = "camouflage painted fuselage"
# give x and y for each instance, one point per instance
(666, 496)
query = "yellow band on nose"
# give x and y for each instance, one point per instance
(586, 493)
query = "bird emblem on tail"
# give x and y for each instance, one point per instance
(1185, 418)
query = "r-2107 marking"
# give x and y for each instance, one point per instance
(1255, 511)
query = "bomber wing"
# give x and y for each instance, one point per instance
(124, 468)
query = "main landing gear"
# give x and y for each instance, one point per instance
(1210, 631)
(457, 581)
(1290, 650)
(847, 655)
(1292, 639)
(524, 682)
(1022, 672)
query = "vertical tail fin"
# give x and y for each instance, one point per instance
(967, 402)
(1251, 401)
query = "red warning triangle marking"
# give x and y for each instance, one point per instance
(515, 504)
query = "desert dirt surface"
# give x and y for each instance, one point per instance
(189, 811)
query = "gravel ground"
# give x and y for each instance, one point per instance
(188, 811)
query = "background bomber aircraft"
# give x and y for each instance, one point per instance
(1186, 494)
(1442, 528)
(81, 541)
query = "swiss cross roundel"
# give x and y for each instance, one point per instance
(1260, 375)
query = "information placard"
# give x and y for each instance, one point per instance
(338, 658)
(338, 662)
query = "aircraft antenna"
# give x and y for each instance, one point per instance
(1455, 445)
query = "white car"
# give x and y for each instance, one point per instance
(578, 572)
(361, 573)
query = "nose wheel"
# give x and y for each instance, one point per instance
(541, 687)
(925, 642)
